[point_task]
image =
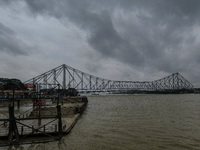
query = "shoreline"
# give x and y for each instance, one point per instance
(48, 126)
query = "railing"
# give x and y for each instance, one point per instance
(17, 129)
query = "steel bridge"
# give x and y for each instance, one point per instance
(68, 77)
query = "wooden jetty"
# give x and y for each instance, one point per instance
(41, 123)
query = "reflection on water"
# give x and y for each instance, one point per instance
(126, 122)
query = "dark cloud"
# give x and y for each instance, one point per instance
(154, 34)
(48, 7)
(103, 37)
(10, 43)
(4, 2)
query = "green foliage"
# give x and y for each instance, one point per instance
(10, 84)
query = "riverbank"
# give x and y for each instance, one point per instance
(43, 124)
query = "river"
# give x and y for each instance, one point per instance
(133, 122)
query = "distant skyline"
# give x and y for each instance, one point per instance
(138, 40)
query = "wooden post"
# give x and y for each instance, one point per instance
(22, 130)
(39, 117)
(10, 134)
(60, 130)
(55, 127)
(12, 126)
(13, 96)
(18, 104)
(15, 129)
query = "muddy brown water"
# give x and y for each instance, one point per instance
(133, 122)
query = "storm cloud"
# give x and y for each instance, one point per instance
(150, 37)
(10, 43)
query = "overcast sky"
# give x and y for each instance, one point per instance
(139, 40)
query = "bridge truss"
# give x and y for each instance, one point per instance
(68, 77)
